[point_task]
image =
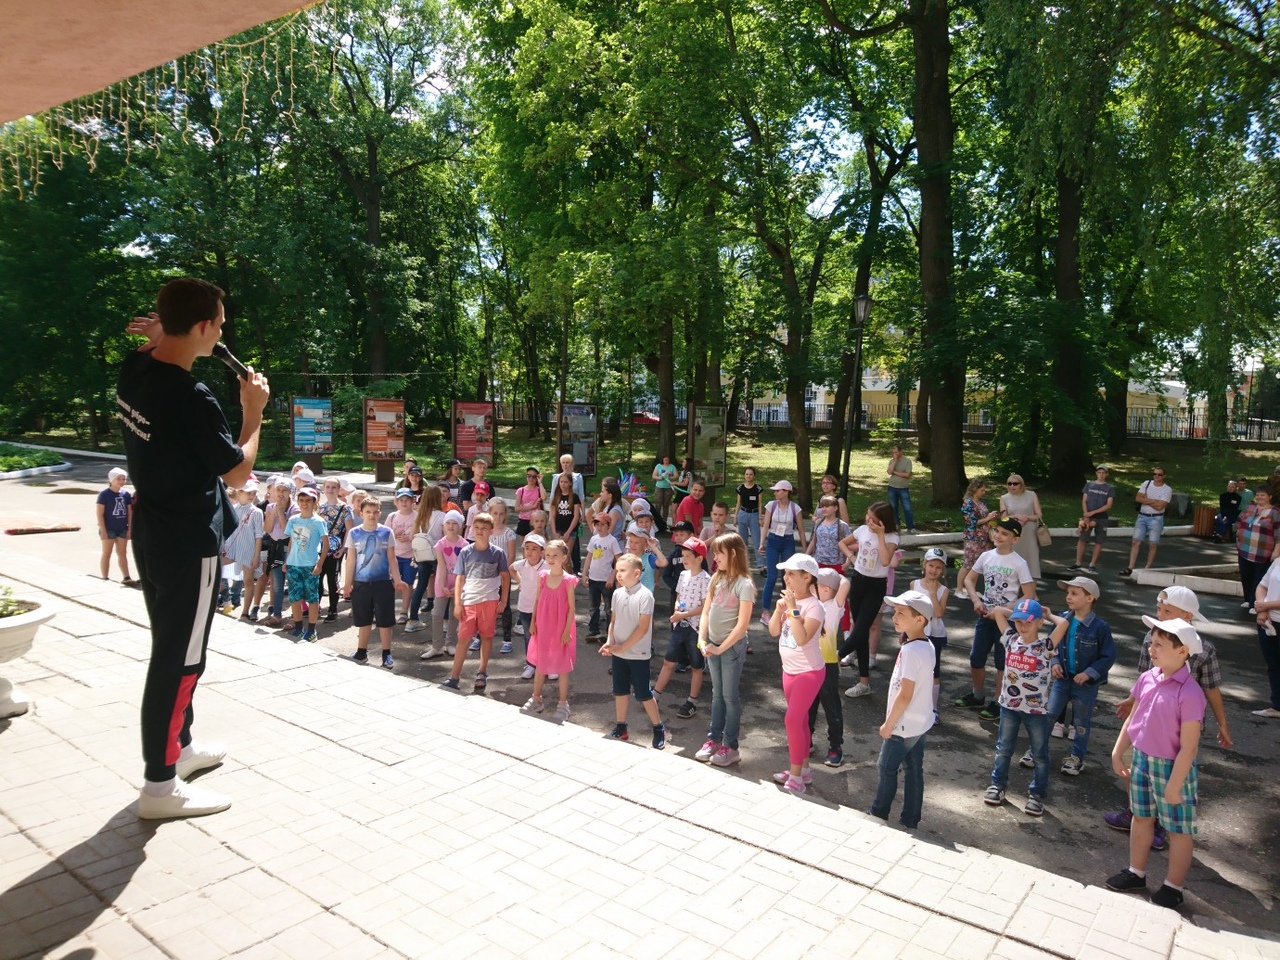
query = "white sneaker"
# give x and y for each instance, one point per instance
(527, 672)
(533, 705)
(451, 649)
(518, 628)
(430, 653)
(962, 595)
(858, 690)
(562, 712)
(1058, 731)
(185, 801)
(203, 756)
(413, 626)
(849, 661)
(553, 676)
(402, 618)
(873, 665)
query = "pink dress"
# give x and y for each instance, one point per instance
(546, 652)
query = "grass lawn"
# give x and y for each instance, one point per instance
(772, 453)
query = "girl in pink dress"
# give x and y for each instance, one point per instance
(553, 631)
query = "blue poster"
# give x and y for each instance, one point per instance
(312, 425)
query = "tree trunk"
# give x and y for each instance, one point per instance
(663, 366)
(943, 351)
(924, 430)
(796, 384)
(735, 401)
(1069, 437)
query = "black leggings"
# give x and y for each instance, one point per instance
(329, 580)
(829, 697)
(866, 597)
(179, 592)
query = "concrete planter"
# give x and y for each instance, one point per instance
(17, 634)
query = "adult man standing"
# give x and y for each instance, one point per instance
(899, 474)
(1153, 499)
(181, 458)
(1096, 501)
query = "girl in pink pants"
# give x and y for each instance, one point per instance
(796, 622)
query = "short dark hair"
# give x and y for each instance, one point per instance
(185, 302)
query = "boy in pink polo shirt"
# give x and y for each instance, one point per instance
(1164, 731)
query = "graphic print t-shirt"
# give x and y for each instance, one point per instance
(371, 553)
(1025, 685)
(482, 569)
(306, 537)
(115, 509)
(1004, 575)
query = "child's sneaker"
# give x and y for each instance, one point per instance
(970, 702)
(1072, 766)
(834, 757)
(725, 757)
(387, 662)
(619, 732)
(1071, 732)
(431, 652)
(402, 618)
(994, 796)
(1034, 807)
(533, 705)
(331, 616)
(1159, 839)
(296, 632)
(1126, 881)
(990, 713)
(528, 672)
(474, 645)
(659, 736)
(1166, 896)
(794, 785)
(1028, 761)
(227, 609)
(519, 628)
(806, 775)
(706, 751)
(450, 684)
(562, 712)
(686, 710)
(451, 649)
(506, 647)
(1058, 731)
(309, 634)
(360, 656)
(1118, 820)
(858, 690)
(413, 626)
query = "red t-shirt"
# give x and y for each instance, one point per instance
(691, 510)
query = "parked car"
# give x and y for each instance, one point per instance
(644, 416)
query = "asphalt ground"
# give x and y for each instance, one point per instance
(1233, 880)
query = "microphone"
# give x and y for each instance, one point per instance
(226, 356)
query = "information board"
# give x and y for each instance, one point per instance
(312, 424)
(383, 429)
(707, 444)
(473, 431)
(577, 436)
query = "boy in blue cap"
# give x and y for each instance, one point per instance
(1024, 697)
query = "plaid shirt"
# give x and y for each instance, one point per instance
(1204, 666)
(1257, 533)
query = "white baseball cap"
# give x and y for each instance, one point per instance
(1184, 598)
(1179, 628)
(800, 561)
(914, 599)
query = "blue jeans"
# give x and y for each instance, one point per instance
(900, 500)
(1270, 647)
(726, 703)
(1007, 743)
(426, 573)
(597, 593)
(277, 590)
(907, 753)
(777, 548)
(1084, 696)
(749, 530)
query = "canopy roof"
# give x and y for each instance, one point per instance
(52, 51)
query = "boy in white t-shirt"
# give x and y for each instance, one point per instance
(602, 549)
(1005, 574)
(909, 711)
(530, 565)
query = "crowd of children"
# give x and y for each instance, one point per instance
(450, 544)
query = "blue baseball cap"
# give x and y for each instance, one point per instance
(1027, 609)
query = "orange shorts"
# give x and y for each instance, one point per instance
(478, 618)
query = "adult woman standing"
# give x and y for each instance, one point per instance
(830, 488)
(1256, 541)
(683, 480)
(566, 515)
(579, 488)
(1024, 506)
(664, 475)
(532, 496)
(976, 539)
(782, 520)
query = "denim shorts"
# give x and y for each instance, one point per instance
(684, 637)
(1148, 776)
(986, 635)
(1148, 527)
(631, 676)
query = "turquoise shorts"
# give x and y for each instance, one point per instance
(304, 585)
(1148, 776)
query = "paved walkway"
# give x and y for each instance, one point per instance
(376, 816)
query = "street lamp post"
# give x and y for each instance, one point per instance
(853, 422)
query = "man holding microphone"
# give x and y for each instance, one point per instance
(181, 458)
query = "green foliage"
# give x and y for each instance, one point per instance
(885, 433)
(21, 458)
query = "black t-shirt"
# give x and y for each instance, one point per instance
(178, 447)
(1229, 504)
(562, 521)
(750, 497)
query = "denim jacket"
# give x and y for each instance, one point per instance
(1092, 650)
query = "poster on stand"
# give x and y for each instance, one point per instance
(383, 429)
(473, 429)
(312, 425)
(577, 436)
(707, 443)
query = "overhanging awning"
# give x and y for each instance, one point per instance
(52, 51)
